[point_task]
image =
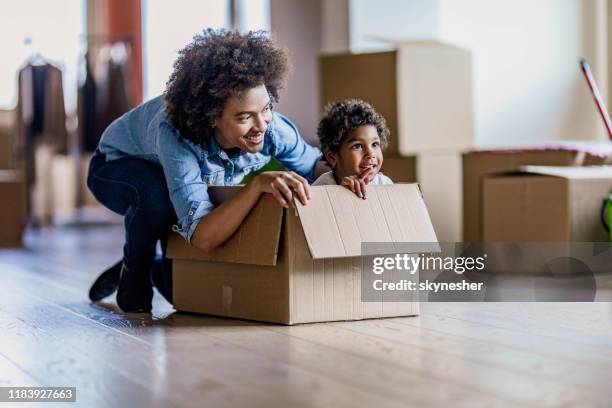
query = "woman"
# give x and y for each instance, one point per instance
(213, 125)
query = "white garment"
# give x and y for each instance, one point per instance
(328, 179)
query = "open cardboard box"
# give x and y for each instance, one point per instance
(300, 265)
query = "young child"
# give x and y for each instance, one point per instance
(353, 136)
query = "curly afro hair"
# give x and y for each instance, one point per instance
(342, 117)
(215, 66)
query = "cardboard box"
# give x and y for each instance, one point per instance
(6, 139)
(439, 175)
(6, 153)
(41, 192)
(553, 204)
(12, 207)
(65, 184)
(423, 89)
(401, 169)
(288, 266)
(85, 197)
(478, 164)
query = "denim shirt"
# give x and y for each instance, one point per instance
(189, 169)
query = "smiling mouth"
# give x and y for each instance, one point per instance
(365, 167)
(254, 139)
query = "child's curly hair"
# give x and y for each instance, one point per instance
(342, 117)
(215, 66)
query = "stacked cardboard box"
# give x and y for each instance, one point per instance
(540, 203)
(287, 266)
(479, 164)
(6, 143)
(12, 207)
(85, 197)
(424, 91)
(12, 187)
(6, 159)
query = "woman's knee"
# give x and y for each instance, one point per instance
(115, 195)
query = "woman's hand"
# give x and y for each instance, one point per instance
(357, 184)
(284, 186)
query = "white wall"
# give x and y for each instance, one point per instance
(528, 85)
(335, 26)
(167, 29)
(56, 31)
(414, 19)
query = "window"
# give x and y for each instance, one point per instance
(56, 30)
(168, 26)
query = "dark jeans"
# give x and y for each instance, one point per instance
(137, 189)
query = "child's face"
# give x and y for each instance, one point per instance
(360, 152)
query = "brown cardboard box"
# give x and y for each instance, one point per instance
(371, 77)
(6, 146)
(413, 88)
(85, 197)
(6, 154)
(478, 164)
(288, 267)
(65, 185)
(439, 176)
(401, 169)
(554, 204)
(12, 207)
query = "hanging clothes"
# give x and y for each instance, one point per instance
(41, 116)
(87, 110)
(40, 133)
(106, 93)
(118, 100)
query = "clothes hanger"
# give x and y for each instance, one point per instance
(36, 58)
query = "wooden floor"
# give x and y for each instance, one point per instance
(454, 354)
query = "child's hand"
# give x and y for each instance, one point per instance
(357, 184)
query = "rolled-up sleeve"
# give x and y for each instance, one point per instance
(291, 150)
(188, 193)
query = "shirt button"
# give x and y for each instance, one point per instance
(190, 212)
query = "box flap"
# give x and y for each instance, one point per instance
(571, 172)
(336, 222)
(255, 242)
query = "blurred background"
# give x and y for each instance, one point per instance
(451, 77)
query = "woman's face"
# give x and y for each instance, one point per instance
(244, 120)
